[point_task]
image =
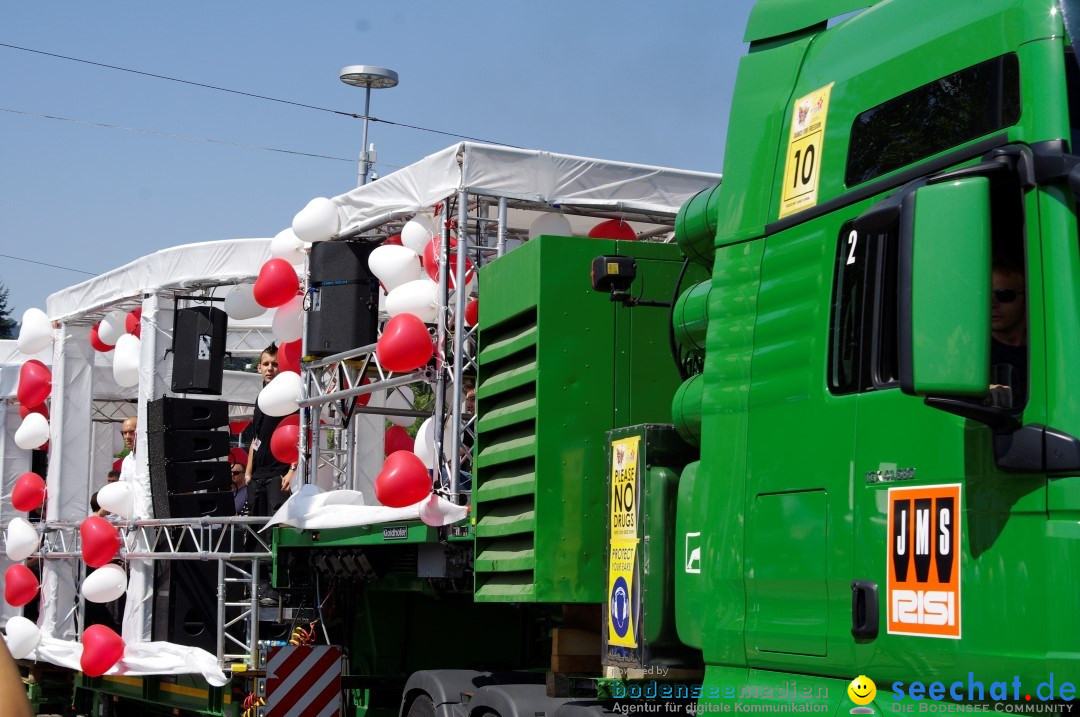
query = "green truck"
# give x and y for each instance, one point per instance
(857, 457)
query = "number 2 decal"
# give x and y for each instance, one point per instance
(852, 240)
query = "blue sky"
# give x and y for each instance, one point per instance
(633, 81)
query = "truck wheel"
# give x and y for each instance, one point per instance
(422, 706)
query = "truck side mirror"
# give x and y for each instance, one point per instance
(944, 302)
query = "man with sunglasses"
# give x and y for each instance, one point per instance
(1008, 331)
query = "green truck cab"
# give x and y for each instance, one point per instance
(882, 489)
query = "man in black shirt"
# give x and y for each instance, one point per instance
(1008, 332)
(268, 479)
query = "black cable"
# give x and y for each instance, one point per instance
(175, 79)
(54, 266)
(679, 365)
(250, 94)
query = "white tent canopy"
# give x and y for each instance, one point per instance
(533, 180)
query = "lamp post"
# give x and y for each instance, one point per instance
(369, 77)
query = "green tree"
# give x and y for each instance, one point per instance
(9, 328)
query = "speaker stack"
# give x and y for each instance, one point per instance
(187, 477)
(199, 350)
(343, 299)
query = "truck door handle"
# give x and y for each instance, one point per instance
(864, 609)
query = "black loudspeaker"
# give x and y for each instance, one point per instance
(185, 601)
(343, 299)
(168, 414)
(199, 350)
(183, 443)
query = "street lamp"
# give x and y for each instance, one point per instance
(369, 77)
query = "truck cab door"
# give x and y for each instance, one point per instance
(943, 533)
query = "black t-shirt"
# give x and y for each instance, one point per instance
(264, 464)
(1015, 357)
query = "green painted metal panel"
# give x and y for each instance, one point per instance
(559, 365)
(787, 599)
(711, 603)
(772, 18)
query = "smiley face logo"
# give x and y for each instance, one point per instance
(862, 690)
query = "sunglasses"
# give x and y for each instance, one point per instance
(1005, 296)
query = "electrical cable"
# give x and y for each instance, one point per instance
(675, 356)
(206, 86)
(42, 263)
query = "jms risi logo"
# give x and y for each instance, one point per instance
(924, 561)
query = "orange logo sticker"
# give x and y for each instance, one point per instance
(924, 561)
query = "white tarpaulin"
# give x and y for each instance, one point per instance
(637, 191)
(312, 508)
(145, 658)
(179, 268)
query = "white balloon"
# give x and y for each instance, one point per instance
(318, 221)
(22, 539)
(33, 432)
(118, 497)
(35, 332)
(125, 367)
(286, 245)
(240, 304)
(394, 265)
(105, 584)
(550, 223)
(437, 511)
(401, 397)
(288, 323)
(281, 396)
(424, 445)
(112, 327)
(417, 232)
(419, 297)
(23, 637)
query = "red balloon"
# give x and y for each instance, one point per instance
(133, 322)
(283, 443)
(118, 464)
(395, 239)
(96, 341)
(613, 229)
(29, 492)
(102, 648)
(405, 344)
(431, 262)
(20, 585)
(363, 399)
(397, 439)
(276, 285)
(35, 383)
(472, 312)
(403, 480)
(25, 411)
(100, 541)
(288, 356)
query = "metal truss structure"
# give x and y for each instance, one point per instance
(234, 544)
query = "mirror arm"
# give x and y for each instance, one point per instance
(996, 417)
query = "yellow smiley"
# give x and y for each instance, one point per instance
(862, 690)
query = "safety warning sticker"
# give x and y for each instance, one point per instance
(622, 593)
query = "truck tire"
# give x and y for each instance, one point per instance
(422, 706)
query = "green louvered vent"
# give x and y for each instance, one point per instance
(505, 490)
